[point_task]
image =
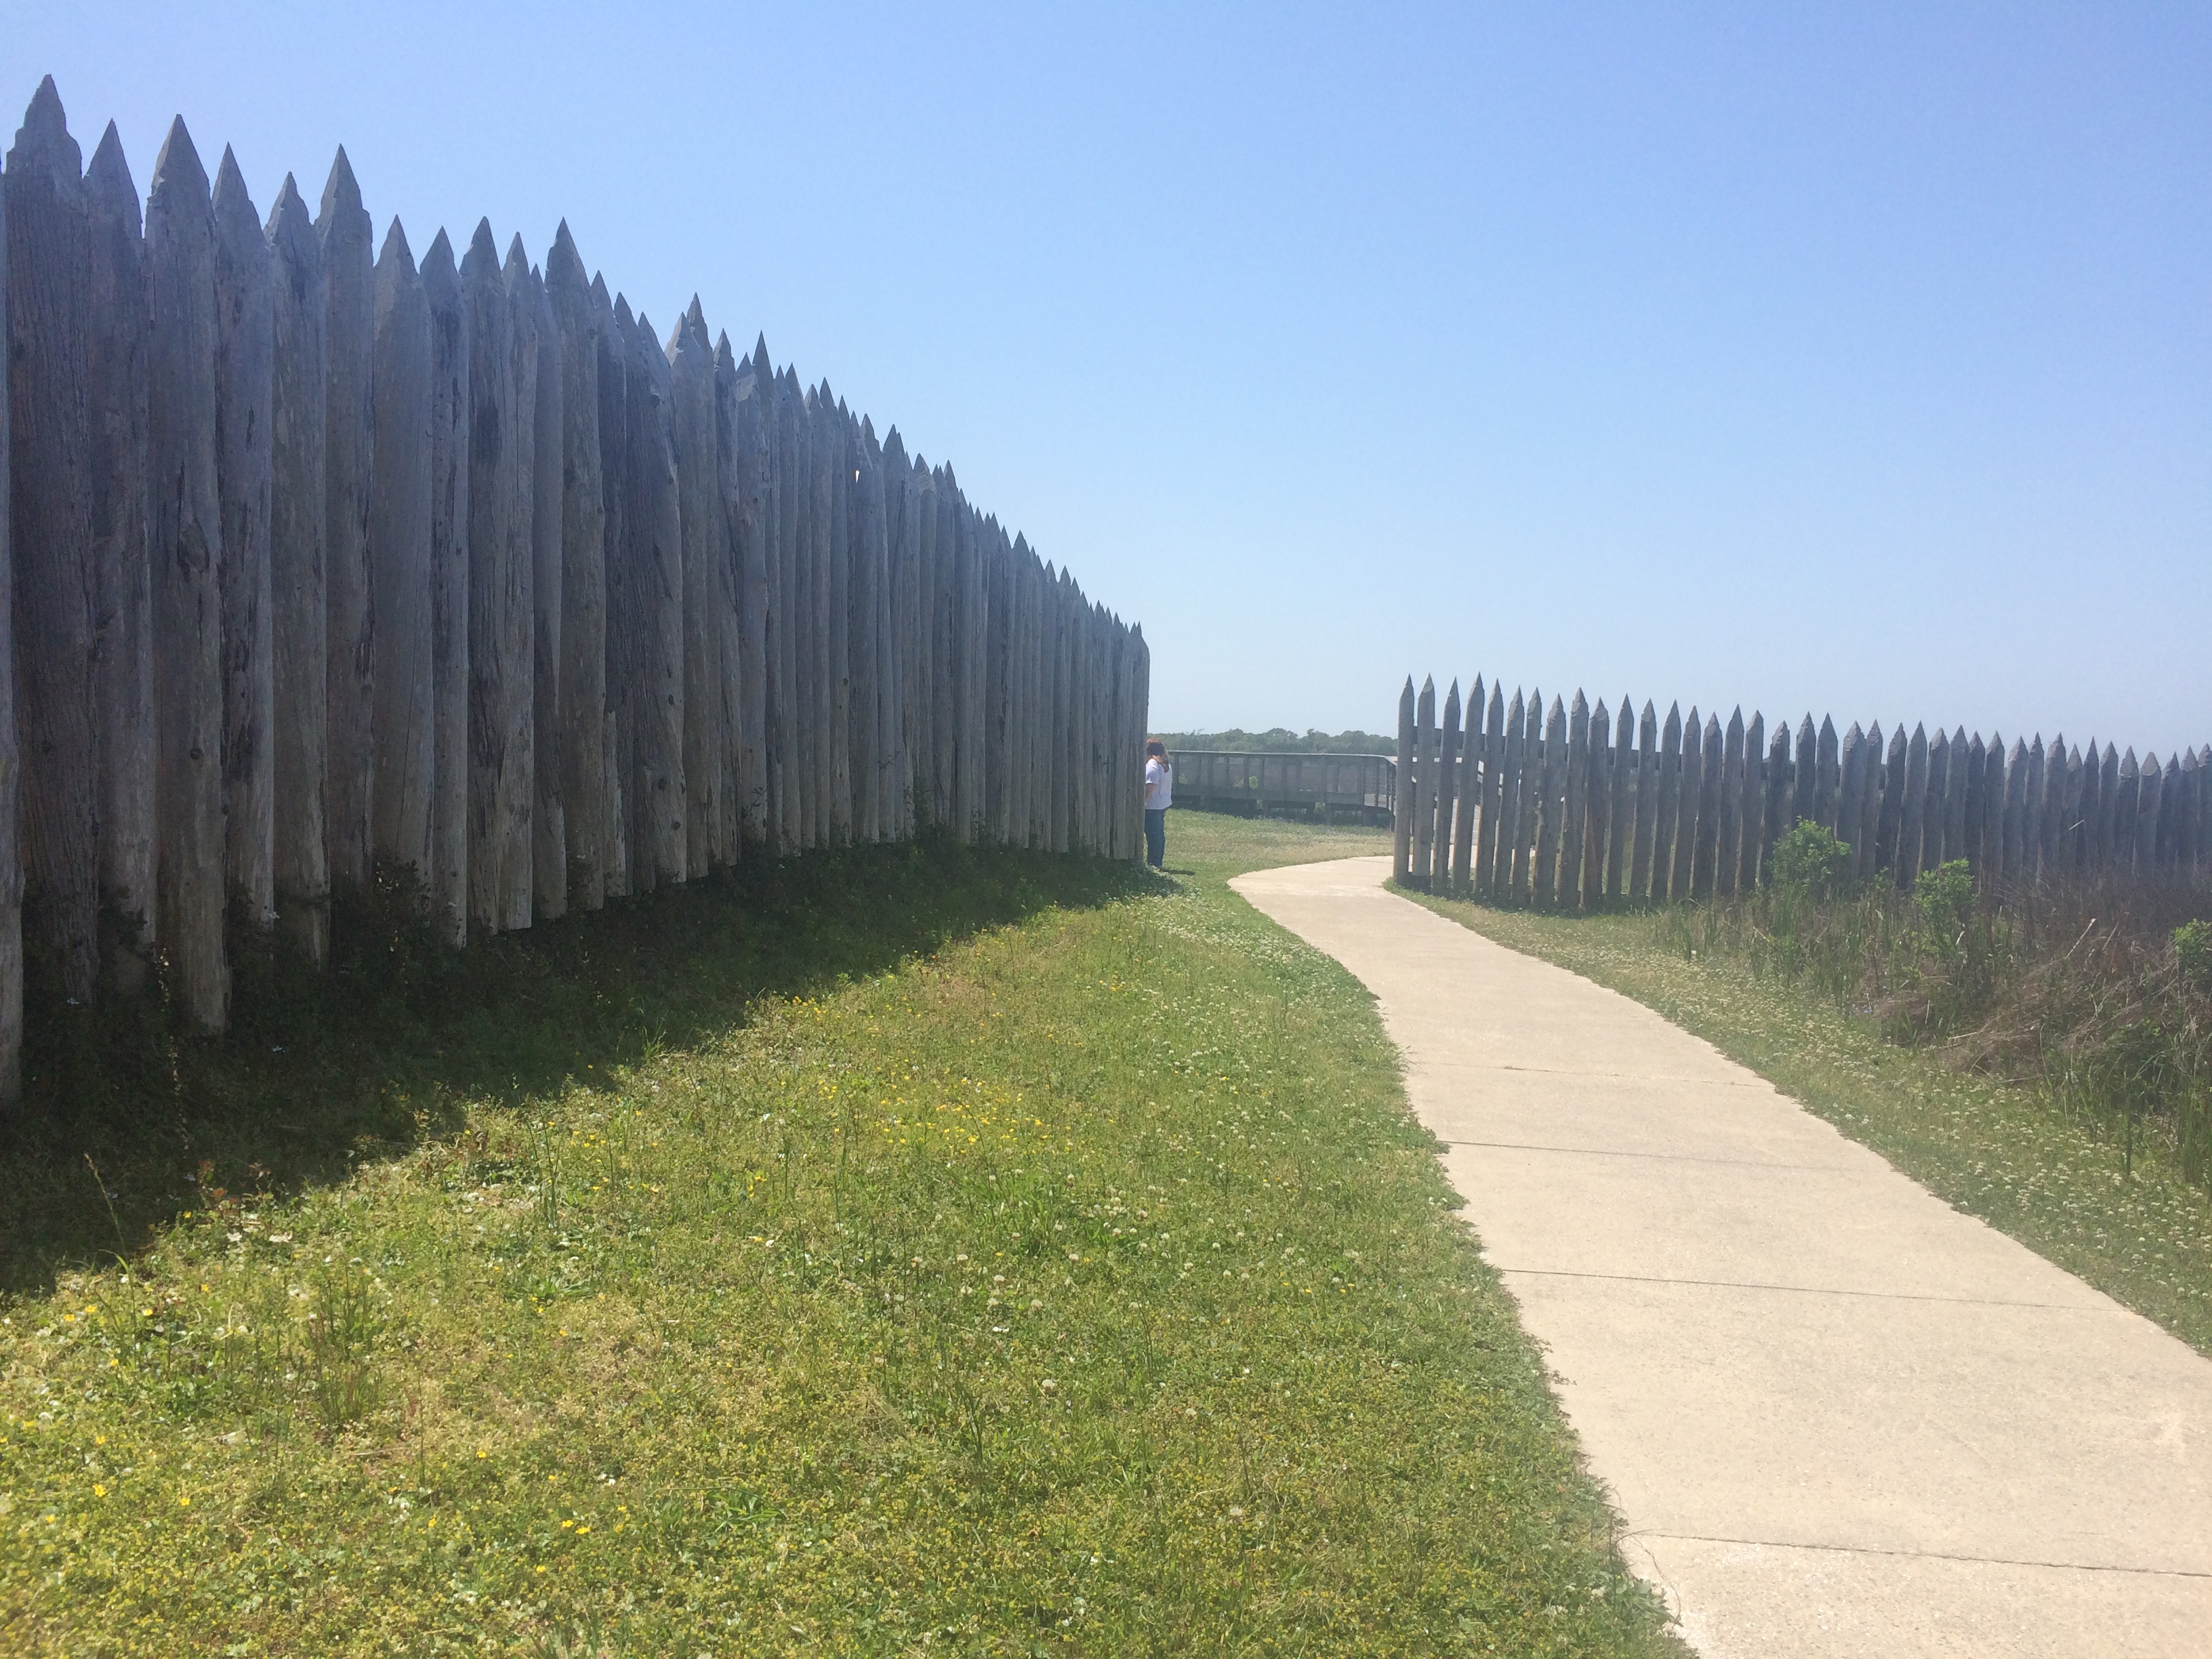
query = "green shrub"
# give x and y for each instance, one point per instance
(1945, 898)
(1809, 860)
(2192, 948)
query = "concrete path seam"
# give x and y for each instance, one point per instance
(1797, 1289)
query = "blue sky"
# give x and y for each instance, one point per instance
(1855, 358)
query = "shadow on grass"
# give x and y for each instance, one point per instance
(323, 1070)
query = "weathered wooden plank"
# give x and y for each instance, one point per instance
(922, 692)
(1707, 850)
(1856, 755)
(2031, 826)
(500, 444)
(1467, 802)
(1597, 806)
(405, 789)
(839, 461)
(2109, 843)
(346, 241)
(869, 560)
(1621, 812)
(901, 528)
(779, 753)
(1527, 822)
(741, 402)
(1827, 786)
(49, 327)
(999, 693)
(299, 606)
(1508, 814)
(824, 443)
(2088, 808)
(1448, 746)
(2186, 802)
(517, 608)
(1775, 819)
(1402, 829)
(1972, 813)
(945, 655)
(11, 769)
(1935, 823)
(1424, 770)
(1585, 745)
(2055, 768)
(2150, 811)
(549, 810)
(1889, 826)
(1666, 804)
(702, 529)
(1551, 805)
(795, 534)
(2127, 798)
(1913, 810)
(660, 812)
(1729, 844)
(448, 313)
(123, 659)
(580, 723)
(187, 558)
(1865, 832)
(1689, 800)
(1646, 829)
(1489, 836)
(2010, 859)
(971, 655)
(1804, 767)
(244, 347)
(1751, 810)
(615, 330)
(1057, 691)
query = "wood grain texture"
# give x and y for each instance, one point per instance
(123, 661)
(404, 789)
(244, 347)
(11, 768)
(49, 329)
(345, 236)
(449, 310)
(299, 606)
(549, 809)
(703, 532)
(583, 638)
(187, 558)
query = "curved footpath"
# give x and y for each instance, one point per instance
(1839, 1417)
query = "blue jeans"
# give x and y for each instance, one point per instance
(1156, 835)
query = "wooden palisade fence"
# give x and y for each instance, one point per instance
(324, 562)
(1575, 807)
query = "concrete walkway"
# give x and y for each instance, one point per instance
(1839, 1417)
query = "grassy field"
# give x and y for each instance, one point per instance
(915, 1250)
(2056, 1179)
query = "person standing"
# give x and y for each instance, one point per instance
(1159, 793)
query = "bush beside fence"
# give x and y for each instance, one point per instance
(1573, 808)
(324, 562)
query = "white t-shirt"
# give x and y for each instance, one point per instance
(1159, 784)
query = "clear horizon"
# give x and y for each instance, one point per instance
(1850, 360)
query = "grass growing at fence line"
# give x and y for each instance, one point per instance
(927, 1250)
(1838, 1009)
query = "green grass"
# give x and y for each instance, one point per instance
(913, 1249)
(2009, 1152)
